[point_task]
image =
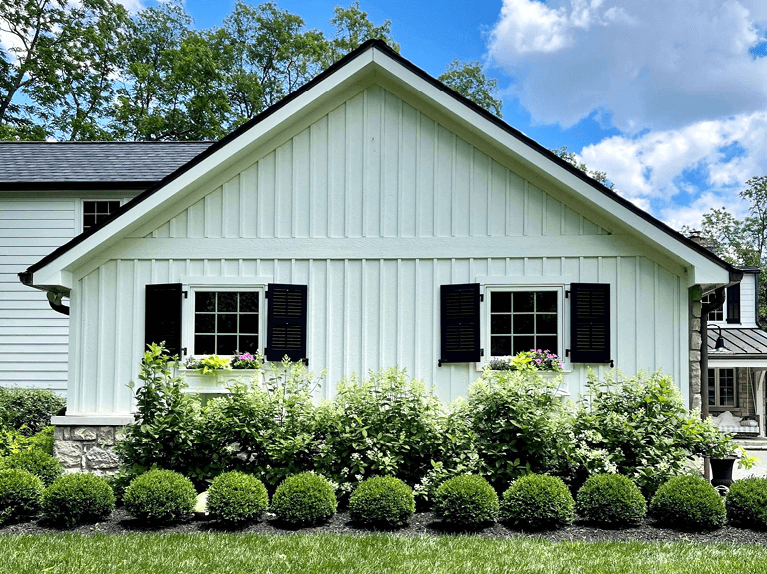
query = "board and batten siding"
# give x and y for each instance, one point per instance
(373, 206)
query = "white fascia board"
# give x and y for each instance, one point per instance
(705, 270)
(733, 363)
(219, 160)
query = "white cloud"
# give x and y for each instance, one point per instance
(653, 170)
(646, 64)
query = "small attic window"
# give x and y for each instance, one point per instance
(96, 210)
(717, 314)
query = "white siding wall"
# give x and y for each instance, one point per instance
(747, 300)
(373, 206)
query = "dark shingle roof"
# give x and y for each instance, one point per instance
(741, 343)
(61, 165)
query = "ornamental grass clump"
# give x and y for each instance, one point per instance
(382, 501)
(611, 500)
(536, 502)
(746, 503)
(160, 496)
(20, 495)
(237, 498)
(466, 501)
(688, 503)
(304, 499)
(39, 463)
(78, 499)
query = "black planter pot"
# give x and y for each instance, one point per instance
(721, 471)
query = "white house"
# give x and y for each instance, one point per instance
(49, 193)
(376, 218)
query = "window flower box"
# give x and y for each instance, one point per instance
(216, 382)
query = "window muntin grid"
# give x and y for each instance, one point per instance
(721, 387)
(226, 322)
(521, 320)
(97, 210)
(716, 314)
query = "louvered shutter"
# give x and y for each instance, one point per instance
(286, 322)
(733, 303)
(162, 318)
(589, 323)
(459, 306)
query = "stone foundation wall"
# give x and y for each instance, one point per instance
(695, 343)
(86, 448)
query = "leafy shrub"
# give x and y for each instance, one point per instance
(304, 499)
(35, 461)
(611, 500)
(160, 496)
(466, 501)
(382, 501)
(13, 441)
(236, 497)
(28, 410)
(518, 425)
(537, 501)
(746, 503)
(78, 499)
(386, 425)
(688, 503)
(20, 495)
(640, 428)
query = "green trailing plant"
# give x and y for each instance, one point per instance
(78, 499)
(160, 496)
(688, 503)
(386, 425)
(304, 499)
(466, 501)
(518, 424)
(530, 361)
(208, 364)
(746, 503)
(20, 495)
(28, 411)
(382, 501)
(536, 501)
(611, 500)
(237, 498)
(37, 462)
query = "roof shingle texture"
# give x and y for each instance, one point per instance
(43, 162)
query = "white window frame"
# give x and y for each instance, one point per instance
(81, 212)
(705, 299)
(717, 388)
(221, 284)
(562, 314)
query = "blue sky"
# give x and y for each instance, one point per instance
(669, 98)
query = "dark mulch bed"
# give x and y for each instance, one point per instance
(422, 523)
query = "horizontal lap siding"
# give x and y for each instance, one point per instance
(374, 173)
(33, 337)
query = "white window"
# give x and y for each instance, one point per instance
(524, 318)
(721, 387)
(96, 210)
(717, 314)
(226, 320)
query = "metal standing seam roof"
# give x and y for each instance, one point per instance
(741, 343)
(56, 165)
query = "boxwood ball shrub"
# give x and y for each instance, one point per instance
(688, 503)
(20, 495)
(236, 497)
(746, 503)
(160, 496)
(611, 500)
(304, 499)
(537, 501)
(37, 462)
(466, 501)
(382, 501)
(78, 499)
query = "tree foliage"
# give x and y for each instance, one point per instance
(571, 158)
(468, 79)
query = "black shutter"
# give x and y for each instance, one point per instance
(162, 319)
(733, 303)
(286, 322)
(459, 315)
(589, 323)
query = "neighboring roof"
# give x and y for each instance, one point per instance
(735, 274)
(79, 165)
(747, 343)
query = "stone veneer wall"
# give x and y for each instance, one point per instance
(745, 393)
(86, 448)
(695, 343)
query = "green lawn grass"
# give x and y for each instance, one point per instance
(233, 553)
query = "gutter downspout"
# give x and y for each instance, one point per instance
(54, 297)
